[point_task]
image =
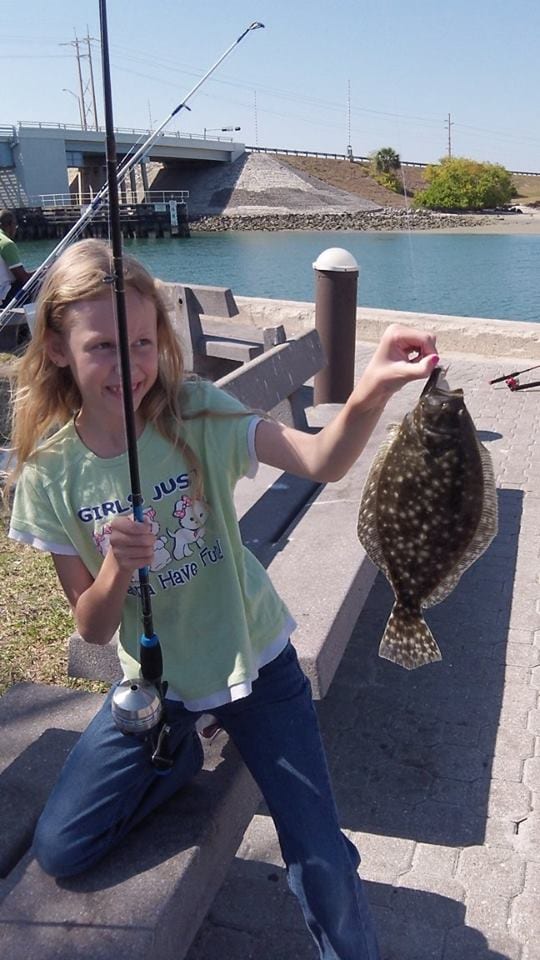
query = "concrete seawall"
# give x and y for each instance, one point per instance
(474, 335)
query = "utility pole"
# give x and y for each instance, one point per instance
(449, 124)
(88, 38)
(76, 44)
(256, 118)
(86, 88)
(349, 145)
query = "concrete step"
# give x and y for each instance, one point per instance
(146, 900)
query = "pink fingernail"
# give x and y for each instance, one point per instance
(435, 359)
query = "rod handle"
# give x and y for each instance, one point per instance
(151, 658)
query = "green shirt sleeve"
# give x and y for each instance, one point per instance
(225, 425)
(33, 518)
(10, 254)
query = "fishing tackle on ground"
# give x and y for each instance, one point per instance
(509, 376)
(428, 511)
(513, 384)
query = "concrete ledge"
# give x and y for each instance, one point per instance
(473, 335)
(146, 900)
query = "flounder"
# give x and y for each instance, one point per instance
(428, 511)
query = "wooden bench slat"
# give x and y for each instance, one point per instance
(276, 374)
(229, 349)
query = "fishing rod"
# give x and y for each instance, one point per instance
(138, 704)
(515, 373)
(120, 174)
(515, 385)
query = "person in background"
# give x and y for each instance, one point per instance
(13, 275)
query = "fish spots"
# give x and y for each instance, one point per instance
(427, 512)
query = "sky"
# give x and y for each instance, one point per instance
(320, 76)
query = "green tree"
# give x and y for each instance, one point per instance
(386, 160)
(457, 183)
(384, 166)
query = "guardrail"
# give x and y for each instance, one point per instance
(326, 155)
(48, 200)
(132, 131)
(358, 159)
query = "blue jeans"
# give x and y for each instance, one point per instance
(108, 785)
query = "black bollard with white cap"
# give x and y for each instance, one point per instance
(336, 278)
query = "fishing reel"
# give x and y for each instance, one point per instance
(137, 705)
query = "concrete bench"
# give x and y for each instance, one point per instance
(148, 899)
(15, 327)
(201, 317)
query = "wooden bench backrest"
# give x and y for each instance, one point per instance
(277, 376)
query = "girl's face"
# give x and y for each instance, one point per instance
(89, 347)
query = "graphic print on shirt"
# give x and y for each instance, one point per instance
(184, 540)
(102, 540)
(192, 516)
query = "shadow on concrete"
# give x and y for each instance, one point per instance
(411, 752)
(412, 924)
(486, 436)
(21, 807)
(211, 184)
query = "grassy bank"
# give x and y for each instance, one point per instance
(35, 620)
(355, 178)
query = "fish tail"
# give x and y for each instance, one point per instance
(407, 639)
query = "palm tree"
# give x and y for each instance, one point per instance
(386, 160)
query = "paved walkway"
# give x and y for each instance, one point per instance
(437, 772)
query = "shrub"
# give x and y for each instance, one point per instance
(457, 183)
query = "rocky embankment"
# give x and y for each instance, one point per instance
(385, 219)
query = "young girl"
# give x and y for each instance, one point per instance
(223, 629)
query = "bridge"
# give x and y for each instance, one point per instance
(38, 159)
(42, 162)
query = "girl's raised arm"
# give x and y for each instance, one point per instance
(403, 354)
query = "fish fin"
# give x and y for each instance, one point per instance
(367, 514)
(484, 534)
(407, 639)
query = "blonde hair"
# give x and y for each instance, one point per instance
(46, 396)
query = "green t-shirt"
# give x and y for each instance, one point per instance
(9, 251)
(214, 607)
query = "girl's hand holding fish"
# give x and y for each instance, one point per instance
(403, 354)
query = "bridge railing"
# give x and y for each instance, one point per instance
(48, 200)
(131, 131)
